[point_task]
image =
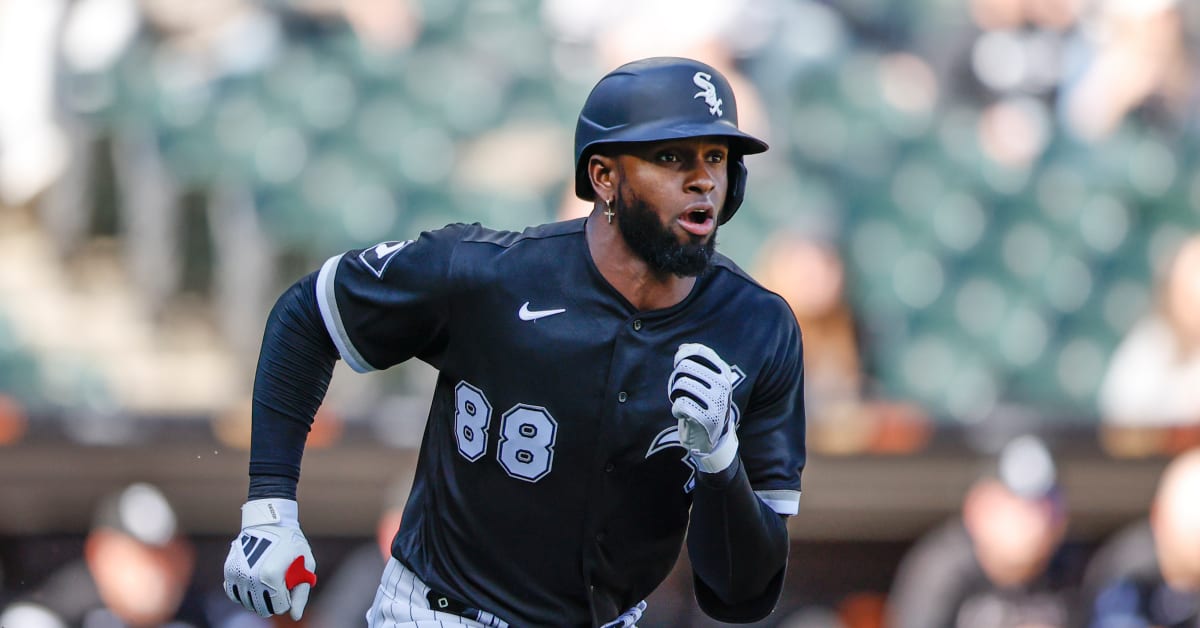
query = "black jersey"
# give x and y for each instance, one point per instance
(550, 473)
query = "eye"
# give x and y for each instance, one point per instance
(668, 156)
(716, 157)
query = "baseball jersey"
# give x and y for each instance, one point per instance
(550, 478)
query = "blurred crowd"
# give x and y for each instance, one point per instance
(1002, 561)
(971, 206)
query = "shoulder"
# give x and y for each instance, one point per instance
(1129, 551)
(481, 240)
(478, 234)
(484, 253)
(1149, 335)
(738, 289)
(945, 549)
(1149, 343)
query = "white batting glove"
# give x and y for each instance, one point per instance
(700, 389)
(270, 566)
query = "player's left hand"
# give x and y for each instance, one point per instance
(269, 569)
(700, 389)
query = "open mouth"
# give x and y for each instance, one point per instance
(696, 216)
(698, 220)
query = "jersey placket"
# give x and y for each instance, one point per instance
(628, 347)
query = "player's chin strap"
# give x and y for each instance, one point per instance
(629, 618)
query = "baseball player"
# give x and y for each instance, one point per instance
(605, 385)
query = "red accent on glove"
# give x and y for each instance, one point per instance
(297, 574)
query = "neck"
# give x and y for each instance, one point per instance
(628, 273)
(1006, 573)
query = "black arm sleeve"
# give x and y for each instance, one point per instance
(294, 369)
(738, 547)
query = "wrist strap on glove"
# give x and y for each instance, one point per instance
(273, 511)
(720, 457)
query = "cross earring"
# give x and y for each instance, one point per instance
(608, 212)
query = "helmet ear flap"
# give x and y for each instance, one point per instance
(583, 182)
(737, 189)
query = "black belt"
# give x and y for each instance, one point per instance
(446, 604)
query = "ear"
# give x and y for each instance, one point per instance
(602, 172)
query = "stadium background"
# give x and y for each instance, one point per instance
(1002, 181)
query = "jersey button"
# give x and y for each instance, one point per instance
(622, 396)
(608, 468)
(637, 325)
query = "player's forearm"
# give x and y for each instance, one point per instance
(737, 544)
(294, 369)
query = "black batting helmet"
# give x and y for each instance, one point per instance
(663, 98)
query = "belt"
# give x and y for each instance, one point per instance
(443, 603)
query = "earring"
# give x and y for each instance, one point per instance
(608, 212)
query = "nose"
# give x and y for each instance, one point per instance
(701, 179)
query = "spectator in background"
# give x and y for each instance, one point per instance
(808, 273)
(33, 149)
(993, 567)
(136, 571)
(1149, 573)
(1020, 57)
(1153, 380)
(1136, 57)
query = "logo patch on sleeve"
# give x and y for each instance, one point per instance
(379, 256)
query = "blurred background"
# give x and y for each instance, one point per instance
(985, 214)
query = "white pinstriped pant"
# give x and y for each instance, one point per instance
(401, 602)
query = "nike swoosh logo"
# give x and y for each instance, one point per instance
(527, 314)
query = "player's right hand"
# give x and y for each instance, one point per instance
(700, 390)
(270, 565)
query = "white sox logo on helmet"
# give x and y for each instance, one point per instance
(708, 93)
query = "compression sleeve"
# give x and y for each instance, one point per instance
(295, 366)
(738, 547)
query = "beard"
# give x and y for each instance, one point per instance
(656, 245)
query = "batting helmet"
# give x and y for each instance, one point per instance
(663, 98)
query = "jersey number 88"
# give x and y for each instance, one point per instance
(527, 434)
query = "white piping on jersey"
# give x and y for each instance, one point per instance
(782, 501)
(327, 301)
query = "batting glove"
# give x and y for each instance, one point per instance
(270, 566)
(700, 389)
